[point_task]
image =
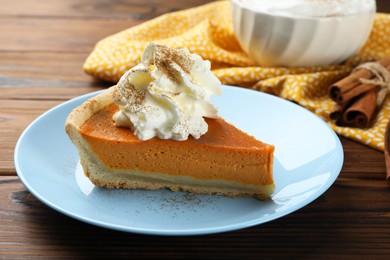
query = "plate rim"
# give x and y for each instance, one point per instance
(177, 232)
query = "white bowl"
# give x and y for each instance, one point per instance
(302, 35)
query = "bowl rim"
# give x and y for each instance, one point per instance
(240, 4)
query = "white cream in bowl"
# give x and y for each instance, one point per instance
(302, 32)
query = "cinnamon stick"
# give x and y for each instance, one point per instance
(361, 111)
(357, 114)
(359, 95)
(387, 152)
(336, 112)
(350, 83)
(346, 97)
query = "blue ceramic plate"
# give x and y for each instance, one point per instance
(308, 159)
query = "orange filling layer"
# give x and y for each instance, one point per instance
(223, 153)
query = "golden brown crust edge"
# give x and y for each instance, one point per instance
(78, 116)
(108, 178)
(83, 112)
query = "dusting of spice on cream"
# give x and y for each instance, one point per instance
(167, 95)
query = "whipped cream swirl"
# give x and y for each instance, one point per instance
(166, 95)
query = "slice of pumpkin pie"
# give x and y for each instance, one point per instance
(157, 129)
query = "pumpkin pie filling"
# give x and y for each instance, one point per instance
(223, 153)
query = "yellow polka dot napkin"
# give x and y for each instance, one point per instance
(207, 30)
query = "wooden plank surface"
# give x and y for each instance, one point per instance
(335, 225)
(101, 9)
(56, 34)
(43, 45)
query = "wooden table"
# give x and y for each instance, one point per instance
(43, 45)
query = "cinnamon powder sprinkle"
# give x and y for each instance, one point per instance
(166, 58)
